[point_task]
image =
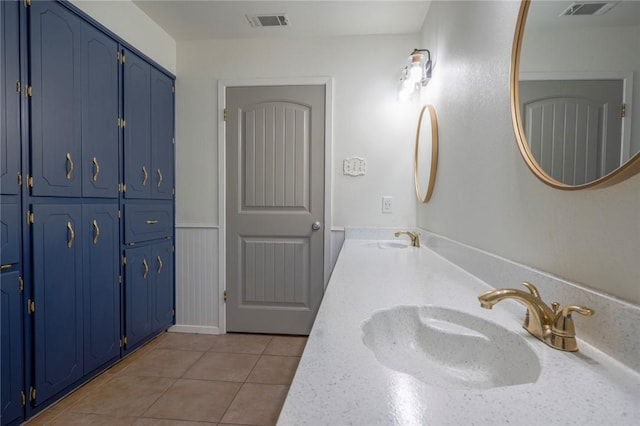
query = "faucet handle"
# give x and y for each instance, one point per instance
(563, 330)
(532, 289)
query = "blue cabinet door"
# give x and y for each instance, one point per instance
(11, 350)
(162, 131)
(99, 114)
(162, 285)
(137, 130)
(57, 233)
(10, 230)
(10, 99)
(56, 102)
(137, 304)
(101, 289)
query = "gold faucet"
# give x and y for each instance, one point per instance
(415, 238)
(552, 325)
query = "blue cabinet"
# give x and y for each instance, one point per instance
(11, 349)
(149, 130)
(100, 108)
(149, 291)
(10, 99)
(101, 287)
(10, 231)
(57, 233)
(56, 101)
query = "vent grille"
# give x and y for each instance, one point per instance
(275, 20)
(588, 8)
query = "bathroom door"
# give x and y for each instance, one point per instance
(275, 146)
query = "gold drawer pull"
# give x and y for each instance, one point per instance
(69, 166)
(96, 169)
(146, 176)
(72, 235)
(159, 264)
(5, 267)
(96, 232)
(159, 178)
(146, 269)
(152, 222)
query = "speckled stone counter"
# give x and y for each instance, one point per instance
(340, 382)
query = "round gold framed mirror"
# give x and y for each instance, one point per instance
(425, 158)
(564, 130)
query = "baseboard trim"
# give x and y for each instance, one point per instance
(200, 329)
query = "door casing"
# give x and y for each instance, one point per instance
(327, 82)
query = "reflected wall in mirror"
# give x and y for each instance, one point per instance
(575, 91)
(425, 158)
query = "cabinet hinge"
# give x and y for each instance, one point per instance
(119, 214)
(173, 141)
(28, 92)
(173, 312)
(31, 306)
(24, 398)
(225, 114)
(119, 279)
(124, 339)
(27, 3)
(119, 56)
(30, 218)
(124, 260)
(173, 191)
(123, 59)
(124, 123)
(623, 110)
(173, 89)
(18, 87)
(124, 187)
(32, 394)
(225, 296)
(173, 249)
(29, 181)
(19, 179)
(20, 284)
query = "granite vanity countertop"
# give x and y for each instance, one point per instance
(340, 382)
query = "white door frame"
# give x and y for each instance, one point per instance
(327, 82)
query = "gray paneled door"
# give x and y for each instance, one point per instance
(573, 127)
(275, 144)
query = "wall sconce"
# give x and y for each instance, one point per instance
(416, 74)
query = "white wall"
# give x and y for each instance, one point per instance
(130, 23)
(368, 121)
(485, 196)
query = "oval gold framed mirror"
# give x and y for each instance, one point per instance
(425, 158)
(563, 133)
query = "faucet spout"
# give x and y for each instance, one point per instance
(539, 317)
(415, 238)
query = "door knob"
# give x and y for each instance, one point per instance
(315, 226)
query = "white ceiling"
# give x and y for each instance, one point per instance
(210, 19)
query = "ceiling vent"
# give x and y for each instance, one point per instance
(275, 20)
(589, 8)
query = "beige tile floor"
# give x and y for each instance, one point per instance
(188, 379)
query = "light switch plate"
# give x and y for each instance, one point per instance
(387, 204)
(354, 166)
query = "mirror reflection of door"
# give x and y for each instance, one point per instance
(574, 127)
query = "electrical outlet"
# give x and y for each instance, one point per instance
(387, 204)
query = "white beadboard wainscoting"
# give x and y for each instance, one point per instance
(198, 275)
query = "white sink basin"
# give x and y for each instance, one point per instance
(393, 244)
(448, 348)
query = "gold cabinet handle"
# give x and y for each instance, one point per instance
(159, 264)
(96, 169)
(96, 232)
(72, 235)
(146, 176)
(8, 266)
(152, 222)
(146, 269)
(159, 178)
(69, 166)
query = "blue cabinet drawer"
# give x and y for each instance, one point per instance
(10, 231)
(144, 222)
